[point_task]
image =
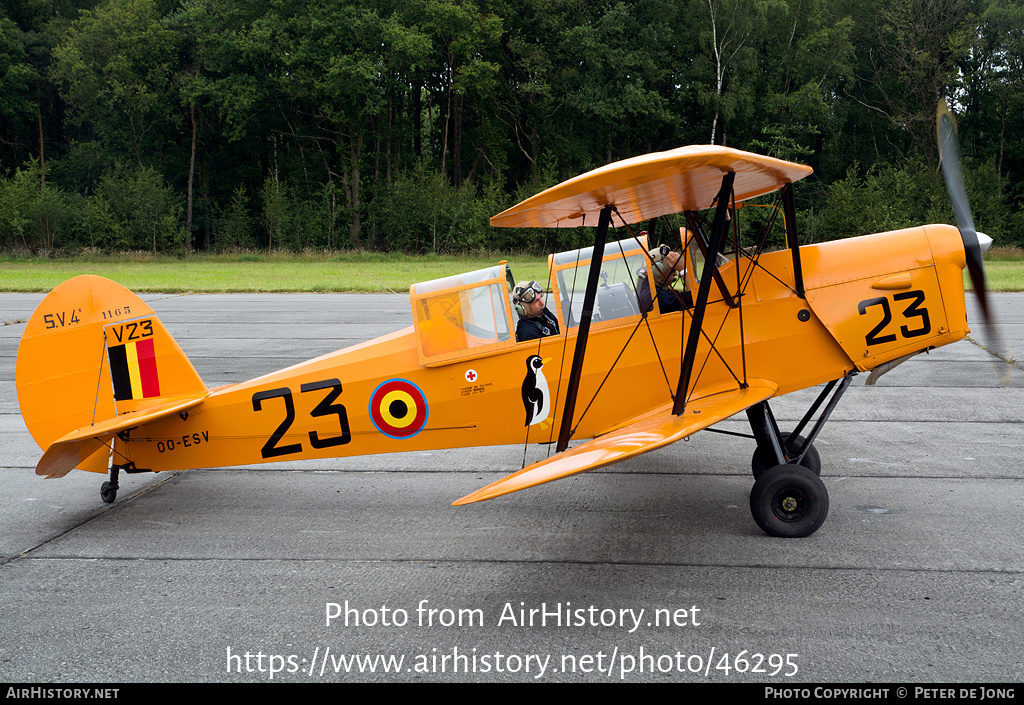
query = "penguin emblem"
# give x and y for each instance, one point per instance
(536, 398)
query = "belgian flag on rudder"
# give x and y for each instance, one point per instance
(133, 370)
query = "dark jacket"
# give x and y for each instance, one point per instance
(537, 327)
(669, 299)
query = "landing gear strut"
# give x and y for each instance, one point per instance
(788, 498)
(108, 490)
(791, 446)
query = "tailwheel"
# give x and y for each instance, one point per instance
(791, 444)
(108, 490)
(789, 501)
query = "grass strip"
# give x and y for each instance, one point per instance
(266, 273)
(313, 272)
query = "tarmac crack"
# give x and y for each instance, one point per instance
(433, 562)
(4, 560)
(1005, 358)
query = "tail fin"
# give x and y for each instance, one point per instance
(91, 352)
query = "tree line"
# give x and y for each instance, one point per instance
(182, 125)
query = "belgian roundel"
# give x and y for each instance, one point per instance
(398, 409)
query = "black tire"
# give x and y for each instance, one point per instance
(108, 492)
(789, 501)
(811, 459)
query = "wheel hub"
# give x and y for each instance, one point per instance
(790, 504)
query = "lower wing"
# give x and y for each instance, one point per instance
(642, 434)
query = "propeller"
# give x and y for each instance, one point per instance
(975, 243)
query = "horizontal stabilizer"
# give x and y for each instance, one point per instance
(646, 433)
(68, 451)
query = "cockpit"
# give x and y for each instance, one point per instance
(471, 315)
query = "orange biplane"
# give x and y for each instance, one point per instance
(103, 387)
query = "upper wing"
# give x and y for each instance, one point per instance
(645, 433)
(660, 183)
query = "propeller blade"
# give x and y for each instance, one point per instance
(949, 161)
(975, 243)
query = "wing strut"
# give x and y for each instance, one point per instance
(789, 205)
(584, 328)
(702, 243)
(701, 304)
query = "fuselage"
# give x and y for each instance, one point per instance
(868, 300)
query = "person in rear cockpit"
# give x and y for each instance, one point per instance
(666, 265)
(535, 320)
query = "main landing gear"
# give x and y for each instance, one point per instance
(789, 499)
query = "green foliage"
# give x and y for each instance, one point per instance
(96, 225)
(114, 69)
(31, 212)
(403, 125)
(236, 232)
(16, 74)
(882, 199)
(275, 212)
(422, 211)
(140, 211)
(886, 198)
(992, 215)
(288, 221)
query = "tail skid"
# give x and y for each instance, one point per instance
(94, 361)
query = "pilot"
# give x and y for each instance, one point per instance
(535, 320)
(666, 265)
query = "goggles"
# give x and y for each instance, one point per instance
(659, 253)
(526, 293)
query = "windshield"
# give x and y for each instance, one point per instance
(462, 313)
(617, 286)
